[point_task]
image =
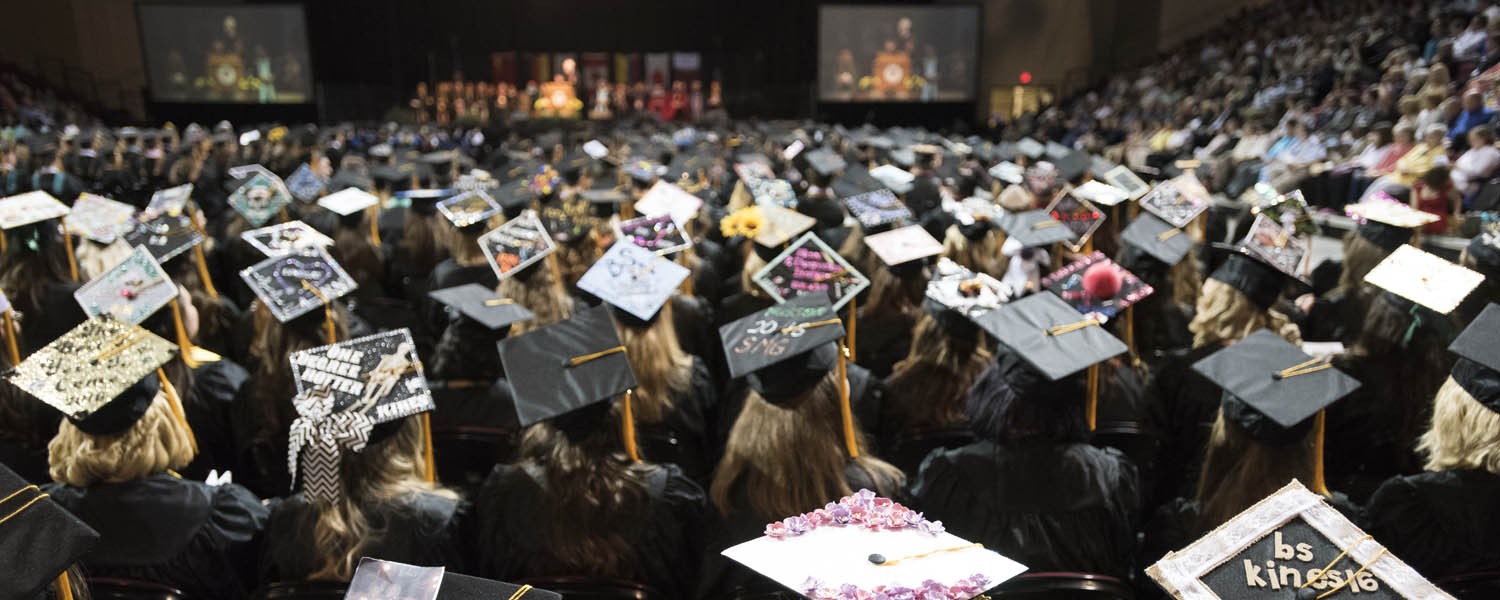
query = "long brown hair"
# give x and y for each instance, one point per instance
(424, 237)
(25, 273)
(662, 370)
(1238, 471)
(273, 343)
(789, 459)
(928, 387)
(354, 251)
(539, 292)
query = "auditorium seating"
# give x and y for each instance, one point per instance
(1063, 586)
(112, 588)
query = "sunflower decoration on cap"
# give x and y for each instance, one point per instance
(545, 181)
(745, 221)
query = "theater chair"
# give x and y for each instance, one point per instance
(1134, 440)
(593, 588)
(466, 454)
(1063, 586)
(910, 448)
(113, 588)
(303, 590)
(1471, 586)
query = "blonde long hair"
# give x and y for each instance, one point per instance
(790, 459)
(540, 293)
(1464, 434)
(155, 443)
(662, 370)
(1226, 315)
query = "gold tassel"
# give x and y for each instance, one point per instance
(4, 245)
(853, 312)
(1130, 328)
(10, 339)
(208, 282)
(1319, 485)
(176, 404)
(284, 217)
(373, 215)
(850, 443)
(184, 345)
(430, 459)
(329, 329)
(72, 260)
(64, 586)
(1093, 386)
(627, 428)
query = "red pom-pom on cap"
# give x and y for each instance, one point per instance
(1102, 281)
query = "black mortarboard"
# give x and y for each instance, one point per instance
(855, 180)
(825, 161)
(572, 162)
(424, 201)
(1255, 278)
(1272, 387)
(687, 164)
(1035, 228)
(350, 178)
(515, 195)
(1478, 366)
(482, 305)
(878, 210)
(1072, 165)
(1050, 335)
(522, 170)
(39, 538)
(457, 586)
(566, 366)
(1158, 238)
(100, 375)
(785, 349)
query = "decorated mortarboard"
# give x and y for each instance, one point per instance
(793, 150)
(897, 179)
(904, 245)
(424, 201)
(39, 538)
(1094, 284)
(633, 279)
(1056, 151)
(376, 579)
(667, 199)
(28, 208)
(596, 149)
(516, 194)
(517, 244)
(98, 218)
(605, 193)
(753, 170)
(351, 178)
(1424, 278)
(809, 266)
(877, 209)
(862, 546)
(1123, 178)
(778, 334)
(305, 184)
(164, 234)
(1035, 228)
(348, 201)
(1478, 368)
(1260, 281)
(1272, 386)
(284, 238)
(1291, 544)
(482, 305)
(1050, 335)
(572, 161)
(171, 200)
(642, 170)
(1101, 194)
(773, 192)
(260, 196)
(1158, 238)
(130, 291)
(965, 292)
(1031, 148)
(1278, 245)
(1078, 216)
(99, 375)
(296, 283)
(565, 366)
(779, 225)
(570, 223)
(659, 235)
(468, 208)
(1168, 201)
(825, 161)
(343, 391)
(1387, 222)
(1008, 172)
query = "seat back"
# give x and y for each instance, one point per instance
(303, 590)
(661, 445)
(1137, 442)
(1063, 586)
(466, 454)
(593, 588)
(116, 588)
(912, 447)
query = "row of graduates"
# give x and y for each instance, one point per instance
(723, 455)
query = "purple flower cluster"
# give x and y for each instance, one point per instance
(963, 589)
(861, 509)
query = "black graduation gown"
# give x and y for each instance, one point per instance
(421, 529)
(667, 538)
(684, 436)
(62, 186)
(23, 446)
(60, 314)
(740, 305)
(723, 577)
(882, 341)
(866, 400)
(1181, 406)
(209, 411)
(1052, 507)
(1441, 523)
(198, 538)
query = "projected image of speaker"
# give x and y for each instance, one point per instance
(886, 53)
(226, 53)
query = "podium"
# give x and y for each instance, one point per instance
(557, 100)
(891, 72)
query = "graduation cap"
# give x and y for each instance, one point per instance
(864, 546)
(98, 218)
(1050, 335)
(394, 176)
(1158, 238)
(1424, 278)
(666, 199)
(809, 266)
(1030, 147)
(1478, 368)
(1035, 228)
(779, 225)
(425, 201)
(482, 305)
(773, 192)
(515, 195)
(348, 201)
(521, 170)
(375, 578)
(468, 208)
(171, 200)
(1272, 387)
(855, 180)
(1008, 172)
(566, 366)
(344, 391)
(98, 375)
(633, 279)
(1101, 194)
(1386, 222)
(904, 246)
(28, 208)
(775, 339)
(572, 162)
(164, 234)
(899, 180)
(260, 196)
(1072, 165)
(1125, 179)
(604, 193)
(1095, 285)
(517, 244)
(1170, 202)
(963, 292)
(658, 235)
(284, 238)
(825, 161)
(1291, 544)
(642, 170)
(1078, 216)
(39, 538)
(296, 283)
(877, 210)
(596, 149)
(686, 165)
(130, 291)
(305, 184)
(570, 223)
